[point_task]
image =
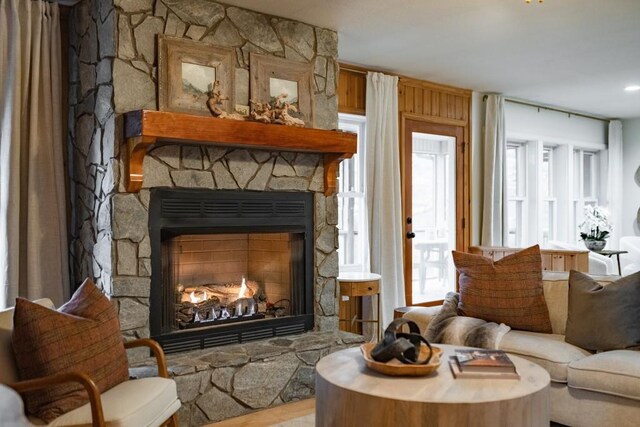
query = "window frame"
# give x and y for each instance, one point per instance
(355, 194)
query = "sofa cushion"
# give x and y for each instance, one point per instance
(603, 317)
(547, 350)
(146, 402)
(83, 335)
(612, 372)
(506, 291)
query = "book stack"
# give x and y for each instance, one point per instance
(494, 364)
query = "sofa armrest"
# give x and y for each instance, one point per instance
(157, 352)
(422, 316)
(92, 390)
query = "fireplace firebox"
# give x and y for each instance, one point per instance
(229, 266)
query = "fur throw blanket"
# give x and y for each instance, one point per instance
(449, 328)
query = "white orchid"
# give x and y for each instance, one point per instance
(596, 225)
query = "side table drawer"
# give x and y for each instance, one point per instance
(357, 289)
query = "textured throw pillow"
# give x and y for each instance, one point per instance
(83, 335)
(603, 317)
(506, 291)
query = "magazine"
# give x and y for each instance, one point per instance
(484, 361)
(494, 375)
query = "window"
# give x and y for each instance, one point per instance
(351, 201)
(585, 184)
(516, 193)
(547, 187)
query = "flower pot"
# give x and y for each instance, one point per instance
(595, 245)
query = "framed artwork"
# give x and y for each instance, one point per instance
(273, 77)
(187, 71)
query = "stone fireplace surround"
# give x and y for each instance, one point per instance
(112, 70)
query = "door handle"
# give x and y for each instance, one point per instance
(410, 234)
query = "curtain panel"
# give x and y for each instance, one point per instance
(382, 191)
(494, 204)
(614, 182)
(33, 230)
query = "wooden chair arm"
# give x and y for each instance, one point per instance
(157, 352)
(92, 390)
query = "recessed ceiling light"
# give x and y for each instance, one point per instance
(632, 88)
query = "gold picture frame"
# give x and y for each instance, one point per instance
(270, 75)
(186, 72)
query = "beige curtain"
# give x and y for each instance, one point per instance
(383, 195)
(33, 232)
(494, 209)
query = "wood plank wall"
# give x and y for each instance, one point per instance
(352, 86)
(434, 102)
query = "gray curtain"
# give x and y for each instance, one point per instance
(33, 232)
(494, 208)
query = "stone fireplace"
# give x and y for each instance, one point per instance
(113, 70)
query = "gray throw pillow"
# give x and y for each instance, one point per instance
(603, 317)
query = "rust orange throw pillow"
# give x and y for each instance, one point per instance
(83, 335)
(506, 291)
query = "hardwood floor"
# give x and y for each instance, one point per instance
(271, 416)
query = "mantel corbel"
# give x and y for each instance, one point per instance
(137, 148)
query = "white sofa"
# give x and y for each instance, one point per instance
(630, 262)
(586, 389)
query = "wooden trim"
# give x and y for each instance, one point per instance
(97, 414)
(144, 128)
(157, 352)
(432, 119)
(409, 81)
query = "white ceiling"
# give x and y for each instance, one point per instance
(574, 54)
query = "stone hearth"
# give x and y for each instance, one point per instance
(216, 384)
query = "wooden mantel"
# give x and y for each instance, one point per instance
(145, 128)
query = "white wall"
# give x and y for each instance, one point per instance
(537, 124)
(631, 163)
(553, 125)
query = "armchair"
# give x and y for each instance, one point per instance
(148, 402)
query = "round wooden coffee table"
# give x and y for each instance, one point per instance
(350, 394)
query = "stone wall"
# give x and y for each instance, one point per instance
(140, 21)
(113, 69)
(92, 150)
(187, 166)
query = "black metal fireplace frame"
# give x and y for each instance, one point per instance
(194, 211)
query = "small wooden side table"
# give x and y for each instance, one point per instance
(354, 286)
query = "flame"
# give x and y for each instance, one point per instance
(243, 289)
(194, 299)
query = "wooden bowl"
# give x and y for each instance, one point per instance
(394, 367)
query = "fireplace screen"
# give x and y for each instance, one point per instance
(229, 266)
(228, 278)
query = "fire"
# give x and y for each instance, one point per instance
(194, 299)
(243, 289)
